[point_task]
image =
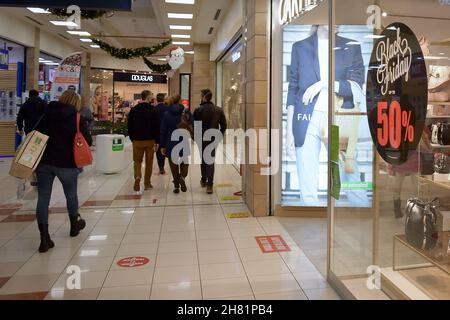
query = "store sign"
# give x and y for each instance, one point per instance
(4, 59)
(397, 93)
(139, 78)
(292, 9)
(124, 5)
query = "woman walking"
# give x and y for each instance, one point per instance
(176, 117)
(60, 124)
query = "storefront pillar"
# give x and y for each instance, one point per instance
(202, 73)
(86, 79)
(32, 62)
(256, 101)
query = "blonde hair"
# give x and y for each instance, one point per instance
(72, 98)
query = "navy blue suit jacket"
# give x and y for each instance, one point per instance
(305, 71)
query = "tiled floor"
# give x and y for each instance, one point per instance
(195, 250)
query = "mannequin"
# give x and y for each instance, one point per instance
(308, 101)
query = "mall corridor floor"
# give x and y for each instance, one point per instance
(191, 248)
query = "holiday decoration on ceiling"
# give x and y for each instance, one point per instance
(131, 53)
(176, 58)
(158, 68)
(85, 14)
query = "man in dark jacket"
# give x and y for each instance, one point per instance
(211, 117)
(161, 109)
(143, 129)
(30, 113)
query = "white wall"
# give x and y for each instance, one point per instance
(230, 25)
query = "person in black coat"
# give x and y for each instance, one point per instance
(30, 113)
(143, 128)
(211, 117)
(161, 109)
(176, 150)
(59, 123)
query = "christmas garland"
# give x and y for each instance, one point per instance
(158, 68)
(85, 14)
(127, 53)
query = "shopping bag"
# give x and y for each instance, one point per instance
(29, 155)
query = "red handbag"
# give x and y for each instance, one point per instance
(81, 150)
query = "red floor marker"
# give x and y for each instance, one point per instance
(133, 262)
(272, 244)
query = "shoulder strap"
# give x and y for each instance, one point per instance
(78, 122)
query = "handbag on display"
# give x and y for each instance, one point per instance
(440, 133)
(442, 163)
(421, 223)
(439, 84)
(81, 150)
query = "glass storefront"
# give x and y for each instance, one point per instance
(47, 72)
(379, 139)
(229, 96)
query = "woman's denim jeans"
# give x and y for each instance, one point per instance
(69, 179)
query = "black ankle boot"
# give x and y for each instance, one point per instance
(46, 242)
(76, 225)
(398, 209)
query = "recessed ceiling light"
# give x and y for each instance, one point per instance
(162, 59)
(181, 1)
(80, 33)
(86, 40)
(52, 64)
(384, 14)
(64, 23)
(46, 61)
(189, 52)
(38, 10)
(180, 15)
(181, 36)
(176, 27)
(181, 43)
(96, 46)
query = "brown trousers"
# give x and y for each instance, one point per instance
(178, 171)
(141, 148)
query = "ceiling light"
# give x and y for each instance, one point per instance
(180, 15)
(96, 46)
(374, 36)
(162, 59)
(45, 61)
(384, 14)
(52, 64)
(189, 52)
(86, 40)
(64, 23)
(80, 33)
(181, 36)
(181, 1)
(38, 10)
(176, 27)
(40, 59)
(181, 43)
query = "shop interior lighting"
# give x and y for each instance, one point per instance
(181, 43)
(181, 1)
(95, 46)
(188, 16)
(181, 36)
(189, 52)
(79, 33)
(64, 23)
(52, 64)
(38, 10)
(162, 59)
(384, 14)
(177, 27)
(85, 40)
(374, 36)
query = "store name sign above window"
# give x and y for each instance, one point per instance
(139, 78)
(292, 9)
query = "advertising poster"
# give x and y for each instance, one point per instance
(67, 75)
(4, 59)
(305, 116)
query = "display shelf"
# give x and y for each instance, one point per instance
(438, 146)
(442, 183)
(436, 103)
(438, 117)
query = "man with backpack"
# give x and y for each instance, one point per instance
(30, 113)
(211, 117)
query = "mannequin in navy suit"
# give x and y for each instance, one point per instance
(308, 100)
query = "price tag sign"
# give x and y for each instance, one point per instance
(397, 93)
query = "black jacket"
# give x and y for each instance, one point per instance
(59, 123)
(143, 123)
(212, 117)
(30, 113)
(172, 119)
(161, 110)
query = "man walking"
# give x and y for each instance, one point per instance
(211, 117)
(161, 109)
(143, 129)
(30, 113)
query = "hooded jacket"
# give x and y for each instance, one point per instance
(59, 123)
(143, 123)
(30, 113)
(169, 124)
